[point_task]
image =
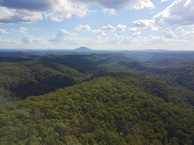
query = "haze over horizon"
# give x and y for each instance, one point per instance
(97, 24)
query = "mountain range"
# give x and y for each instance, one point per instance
(115, 97)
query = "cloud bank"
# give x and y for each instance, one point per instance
(179, 12)
(16, 11)
(119, 4)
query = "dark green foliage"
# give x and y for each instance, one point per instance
(102, 111)
(36, 78)
(94, 99)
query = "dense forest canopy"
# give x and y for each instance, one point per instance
(95, 97)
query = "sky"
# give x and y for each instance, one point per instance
(97, 24)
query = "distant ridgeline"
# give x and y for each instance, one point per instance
(91, 97)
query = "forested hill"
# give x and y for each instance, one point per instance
(106, 98)
(104, 110)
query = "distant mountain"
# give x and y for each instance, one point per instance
(83, 49)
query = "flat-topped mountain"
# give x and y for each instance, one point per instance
(83, 49)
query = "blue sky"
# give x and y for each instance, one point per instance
(97, 24)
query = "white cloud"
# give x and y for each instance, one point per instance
(8, 42)
(108, 28)
(153, 39)
(16, 11)
(114, 40)
(145, 25)
(180, 30)
(169, 34)
(15, 16)
(34, 28)
(83, 28)
(163, 1)
(119, 4)
(23, 30)
(120, 40)
(98, 34)
(31, 40)
(67, 38)
(140, 4)
(65, 9)
(121, 28)
(186, 32)
(110, 11)
(108, 31)
(61, 36)
(3, 31)
(179, 12)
